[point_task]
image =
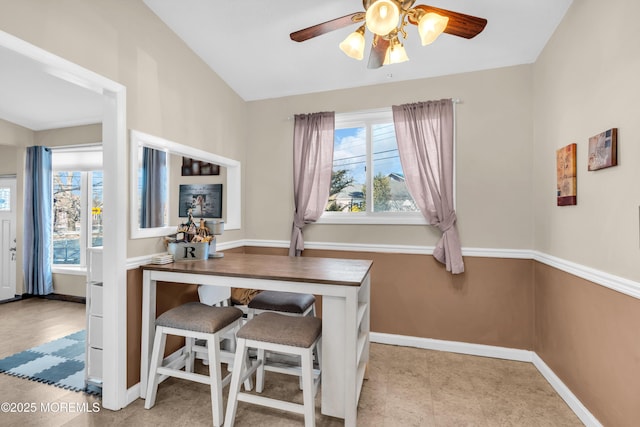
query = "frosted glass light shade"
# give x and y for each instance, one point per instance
(430, 26)
(395, 54)
(382, 17)
(353, 45)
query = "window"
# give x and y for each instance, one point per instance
(367, 182)
(77, 215)
(77, 204)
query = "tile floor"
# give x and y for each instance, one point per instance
(406, 387)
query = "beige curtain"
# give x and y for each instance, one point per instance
(312, 165)
(424, 132)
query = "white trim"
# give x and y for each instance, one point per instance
(499, 353)
(574, 403)
(385, 248)
(75, 270)
(616, 283)
(497, 253)
(453, 347)
(610, 281)
(232, 193)
(360, 218)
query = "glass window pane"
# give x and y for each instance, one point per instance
(66, 218)
(96, 208)
(5, 199)
(348, 178)
(390, 193)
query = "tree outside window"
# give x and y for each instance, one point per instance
(366, 161)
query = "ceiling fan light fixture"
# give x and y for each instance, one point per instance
(395, 53)
(430, 26)
(382, 17)
(353, 45)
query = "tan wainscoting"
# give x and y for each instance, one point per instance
(589, 336)
(586, 333)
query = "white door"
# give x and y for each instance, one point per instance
(7, 238)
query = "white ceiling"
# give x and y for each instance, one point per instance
(247, 44)
(32, 97)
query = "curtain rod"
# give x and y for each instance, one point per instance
(454, 100)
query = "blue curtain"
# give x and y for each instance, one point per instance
(38, 206)
(154, 183)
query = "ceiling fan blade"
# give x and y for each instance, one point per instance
(378, 52)
(325, 27)
(460, 25)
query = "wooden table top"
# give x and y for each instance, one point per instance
(333, 271)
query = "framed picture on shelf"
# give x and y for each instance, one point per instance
(192, 167)
(603, 150)
(204, 200)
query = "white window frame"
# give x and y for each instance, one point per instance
(366, 119)
(84, 159)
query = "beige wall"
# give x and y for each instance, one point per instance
(171, 93)
(586, 81)
(14, 135)
(509, 124)
(13, 140)
(494, 147)
(8, 156)
(76, 135)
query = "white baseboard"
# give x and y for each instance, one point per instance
(576, 406)
(453, 347)
(499, 353)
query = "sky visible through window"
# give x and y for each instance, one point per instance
(350, 151)
(389, 190)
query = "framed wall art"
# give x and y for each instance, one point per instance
(567, 192)
(603, 150)
(204, 200)
(192, 167)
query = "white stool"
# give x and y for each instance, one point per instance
(283, 334)
(193, 321)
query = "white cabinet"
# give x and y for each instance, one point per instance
(93, 351)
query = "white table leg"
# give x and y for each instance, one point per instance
(339, 339)
(148, 327)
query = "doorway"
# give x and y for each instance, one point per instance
(7, 238)
(114, 137)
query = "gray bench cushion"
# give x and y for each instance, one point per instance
(195, 316)
(288, 302)
(282, 329)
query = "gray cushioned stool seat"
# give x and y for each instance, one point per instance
(282, 329)
(287, 302)
(198, 317)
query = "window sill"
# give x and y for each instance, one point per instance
(73, 270)
(366, 218)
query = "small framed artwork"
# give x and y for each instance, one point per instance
(192, 167)
(566, 175)
(603, 150)
(204, 200)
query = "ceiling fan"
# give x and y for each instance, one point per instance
(387, 19)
